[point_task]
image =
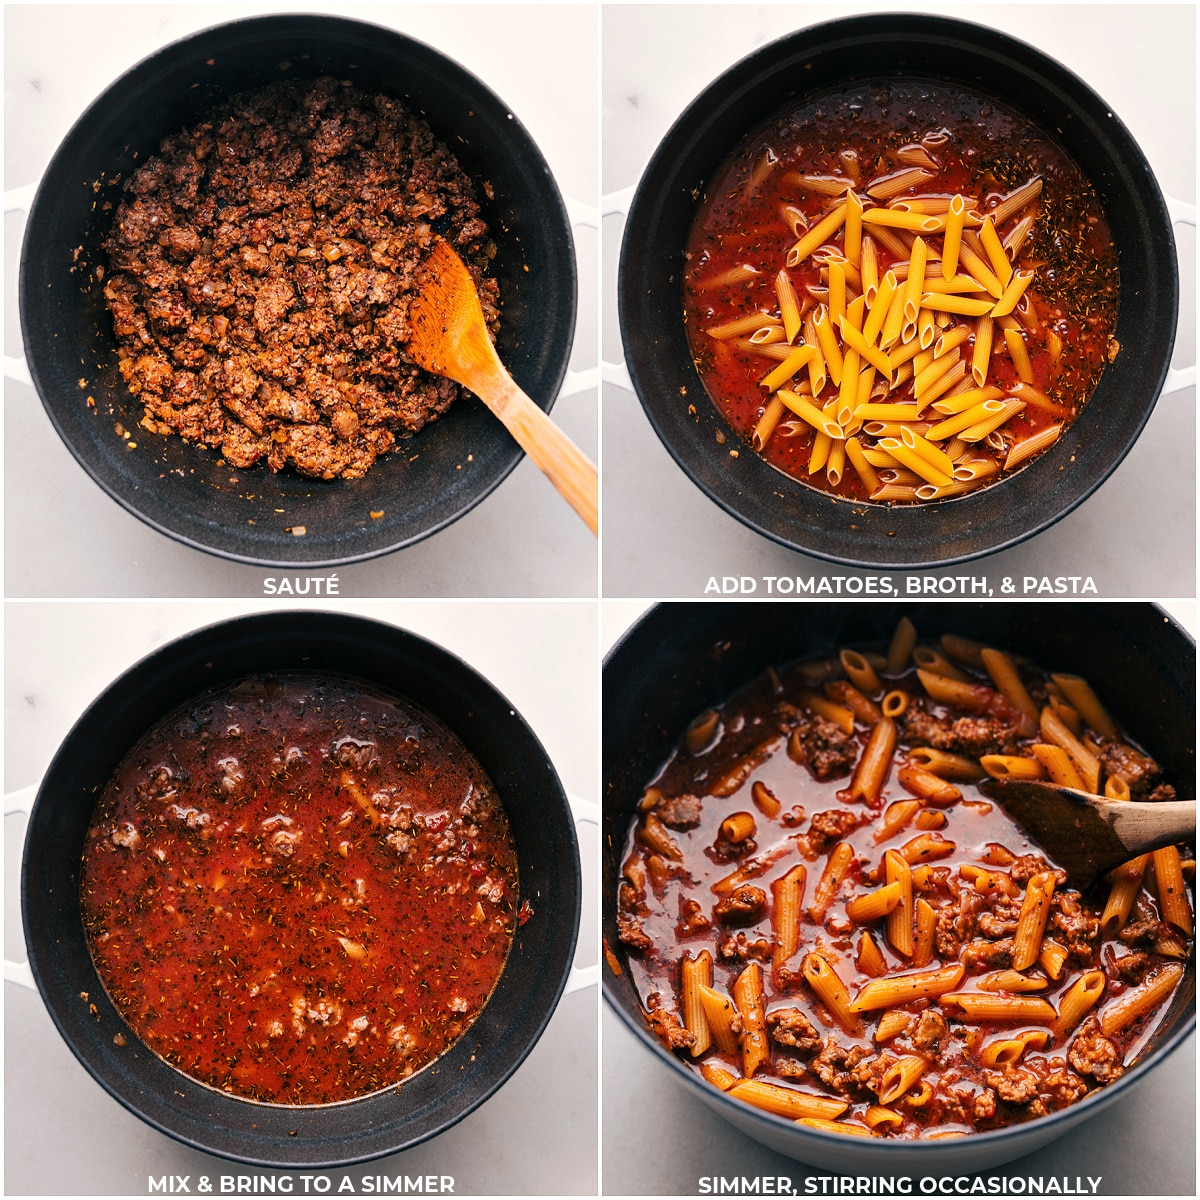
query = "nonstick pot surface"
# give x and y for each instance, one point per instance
(184, 491)
(339, 1134)
(680, 659)
(825, 56)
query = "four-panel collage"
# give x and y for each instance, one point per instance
(599, 599)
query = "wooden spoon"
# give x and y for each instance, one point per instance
(1088, 835)
(449, 338)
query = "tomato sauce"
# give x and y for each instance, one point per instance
(669, 907)
(299, 889)
(984, 150)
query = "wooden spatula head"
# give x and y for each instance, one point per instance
(448, 334)
(1089, 835)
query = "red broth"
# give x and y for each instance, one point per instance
(769, 755)
(983, 151)
(299, 889)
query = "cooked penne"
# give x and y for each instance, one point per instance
(1011, 766)
(1085, 702)
(1003, 671)
(695, 973)
(1137, 1002)
(1172, 895)
(1086, 763)
(1052, 958)
(787, 1102)
(924, 933)
(978, 1006)
(1125, 885)
(900, 1076)
(870, 906)
(1081, 997)
(719, 1077)
(875, 762)
(788, 895)
(901, 646)
(897, 990)
(870, 960)
(900, 920)
(1010, 981)
(830, 990)
(720, 1014)
(837, 866)
(946, 765)
(1057, 764)
(1031, 923)
(927, 785)
(751, 1006)
(895, 818)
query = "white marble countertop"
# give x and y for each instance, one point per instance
(536, 1136)
(1136, 535)
(1142, 1145)
(65, 537)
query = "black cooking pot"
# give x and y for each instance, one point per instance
(683, 658)
(781, 75)
(337, 1134)
(182, 490)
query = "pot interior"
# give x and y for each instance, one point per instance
(681, 659)
(816, 60)
(183, 490)
(487, 1053)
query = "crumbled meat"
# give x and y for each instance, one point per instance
(630, 931)
(1133, 967)
(679, 812)
(983, 1107)
(997, 955)
(631, 898)
(930, 1032)
(790, 1068)
(835, 1064)
(285, 841)
(260, 271)
(1138, 770)
(738, 946)
(1093, 1054)
(829, 827)
(1026, 866)
(725, 851)
(972, 736)
(1162, 794)
(1078, 928)
(1140, 933)
(692, 918)
(957, 923)
(790, 1027)
(1000, 922)
(823, 748)
(667, 1027)
(126, 834)
(1045, 1085)
(743, 906)
(349, 752)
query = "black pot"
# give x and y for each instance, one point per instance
(180, 490)
(683, 658)
(781, 75)
(337, 1134)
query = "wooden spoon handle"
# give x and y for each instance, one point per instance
(1143, 827)
(560, 460)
